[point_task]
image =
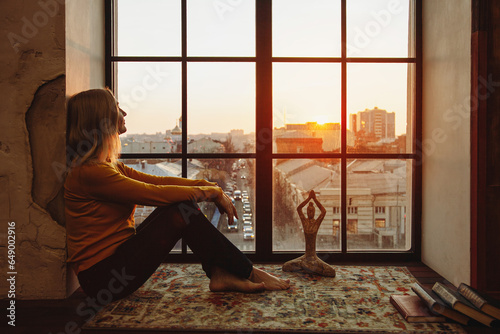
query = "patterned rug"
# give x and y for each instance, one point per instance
(177, 298)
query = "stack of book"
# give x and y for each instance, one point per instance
(441, 304)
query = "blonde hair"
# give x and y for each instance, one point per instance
(92, 128)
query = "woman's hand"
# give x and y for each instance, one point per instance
(225, 205)
(203, 182)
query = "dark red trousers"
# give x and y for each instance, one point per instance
(137, 258)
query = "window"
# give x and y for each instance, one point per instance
(379, 223)
(336, 227)
(320, 95)
(352, 210)
(352, 226)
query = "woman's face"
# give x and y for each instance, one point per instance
(121, 121)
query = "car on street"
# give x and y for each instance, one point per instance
(248, 236)
(233, 226)
(247, 216)
(247, 229)
(237, 195)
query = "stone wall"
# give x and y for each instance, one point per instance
(32, 127)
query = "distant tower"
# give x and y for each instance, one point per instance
(352, 118)
(177, 132)
(284, 117)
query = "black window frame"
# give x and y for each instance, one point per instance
(264, 155)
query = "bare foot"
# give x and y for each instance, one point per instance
(271, 282)
(222, 280)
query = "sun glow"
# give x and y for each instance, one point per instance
(321, 119)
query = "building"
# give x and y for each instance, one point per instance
(205, 145)
(298, 142)
(237, 133)
(148, 147)
(176, 134)
(329, 133)
(377, 122)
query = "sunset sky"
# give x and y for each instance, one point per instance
(221, 96)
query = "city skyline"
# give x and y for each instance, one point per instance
(221, 95)
(320, 120)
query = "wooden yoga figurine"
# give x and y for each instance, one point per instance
(310, 261)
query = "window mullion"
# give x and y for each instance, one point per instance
(343, 150)
(264, 118)
(184, 96)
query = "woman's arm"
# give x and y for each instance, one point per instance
(161, 180)
(103, 182)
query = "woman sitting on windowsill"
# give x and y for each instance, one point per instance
(104, 247)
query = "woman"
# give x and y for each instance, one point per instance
(109, 255)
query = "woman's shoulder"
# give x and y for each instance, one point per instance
(93, 170)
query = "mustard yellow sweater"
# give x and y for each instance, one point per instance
(100, 203)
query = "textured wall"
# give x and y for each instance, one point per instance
(32, 121)
(446, 138)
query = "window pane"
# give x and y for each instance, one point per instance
(221, 28)
(148, 28)
(221, 107)
(237, 178)
(150, 93)
(306, 104)
(306, 28)
(377, 105)
(293, 180)
(377, 28)
(378, 204)
(158, 167)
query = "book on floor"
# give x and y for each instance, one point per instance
(481, 301)
(436, 305)
(413, 309)
(457, 302)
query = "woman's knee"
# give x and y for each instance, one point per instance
(185, 213)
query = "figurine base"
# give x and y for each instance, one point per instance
(310, 264)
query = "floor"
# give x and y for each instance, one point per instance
(60, 316)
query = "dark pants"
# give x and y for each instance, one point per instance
(137, 258)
